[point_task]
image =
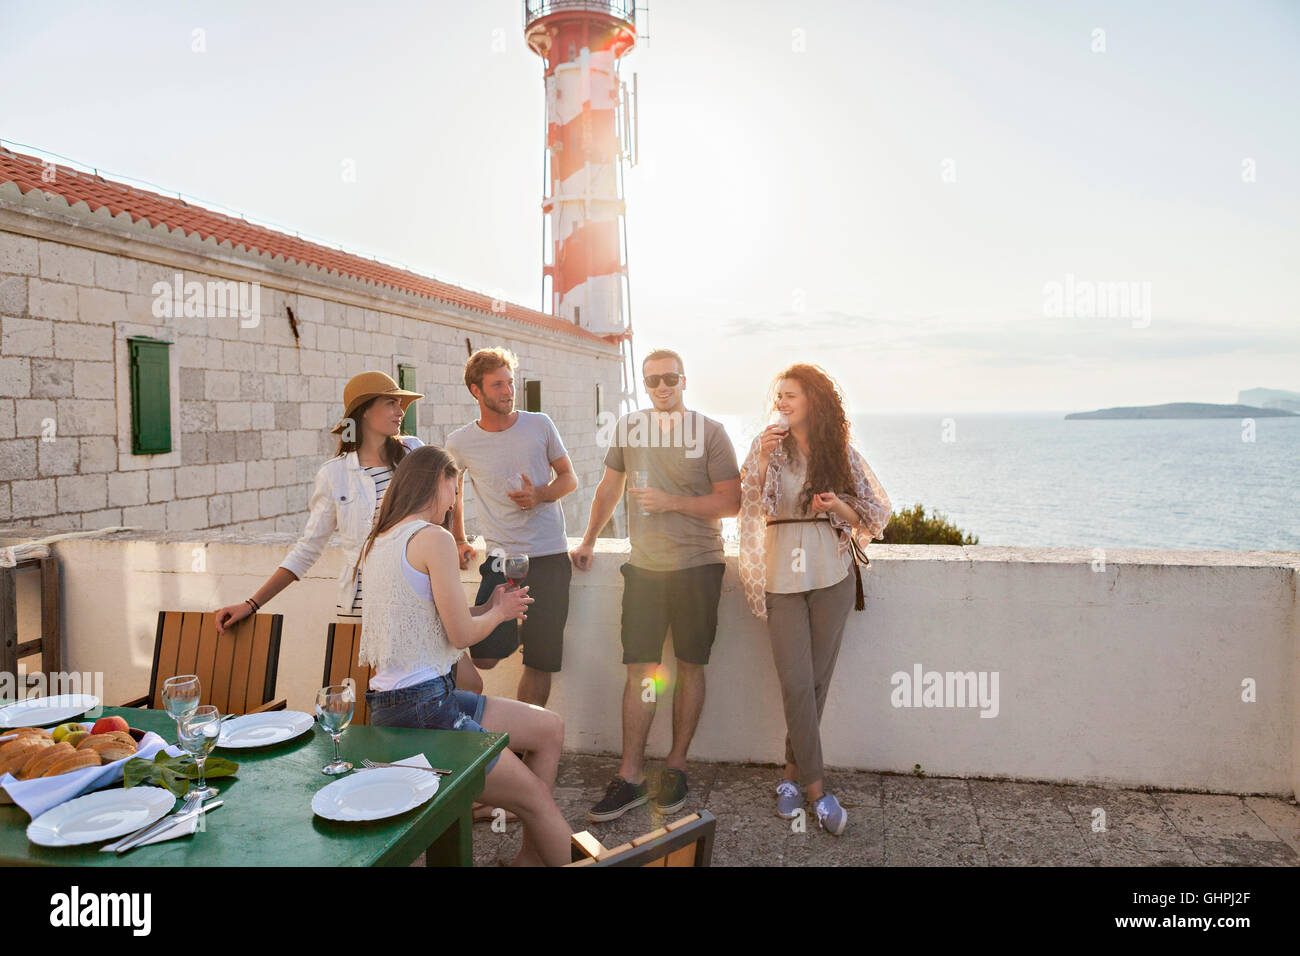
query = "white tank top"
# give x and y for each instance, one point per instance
(401, 632)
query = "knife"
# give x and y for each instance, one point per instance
(166, 822)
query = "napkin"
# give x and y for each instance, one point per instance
(419, 760)
(184, 827)
(44, 793)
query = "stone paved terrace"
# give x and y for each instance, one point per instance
(899, 820)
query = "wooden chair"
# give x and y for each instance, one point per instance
(47, 645)
(341, 647)
(236, 670)
(684, 842)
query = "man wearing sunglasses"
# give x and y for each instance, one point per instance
(688, 481)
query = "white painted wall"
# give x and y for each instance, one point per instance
(1131, 675)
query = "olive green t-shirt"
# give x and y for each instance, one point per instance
(684, 460)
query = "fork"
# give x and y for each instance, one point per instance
(375, 765)
(189, 804)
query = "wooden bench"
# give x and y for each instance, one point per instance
(341, 647)
(236, 670)
(684, 842)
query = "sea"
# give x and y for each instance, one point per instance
(1038, 479)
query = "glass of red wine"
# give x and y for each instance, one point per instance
(515, 568)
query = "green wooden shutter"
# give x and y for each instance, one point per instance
(151, 400)
(406, 380)
(533, 395)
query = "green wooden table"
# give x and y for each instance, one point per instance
(267, 819)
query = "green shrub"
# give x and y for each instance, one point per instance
(913, 526)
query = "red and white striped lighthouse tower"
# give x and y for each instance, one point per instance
(590, 120)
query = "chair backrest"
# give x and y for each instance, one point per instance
(684, 842)
(341, 647)
(47, 645)
(236, 670)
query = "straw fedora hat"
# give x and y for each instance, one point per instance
(361, 388)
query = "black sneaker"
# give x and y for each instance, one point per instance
(672, 791)
(620, 797)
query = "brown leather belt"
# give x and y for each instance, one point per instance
(858, 555)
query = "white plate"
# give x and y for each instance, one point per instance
(262, 730)
(375, 794)
(100, 816)
(43, 711)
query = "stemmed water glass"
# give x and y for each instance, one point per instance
(515, 568)
(180, 697)
(334, 711)
(198, 732)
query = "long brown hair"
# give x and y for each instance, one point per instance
(413, 488)
(393, 450)
(828, 432)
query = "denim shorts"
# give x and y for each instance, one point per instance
(431, 705)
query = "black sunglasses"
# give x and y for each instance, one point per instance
(669, 378)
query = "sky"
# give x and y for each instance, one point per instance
(896, 191)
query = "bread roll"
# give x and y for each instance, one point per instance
(13, 759)
(70, 762)
(10, 747)
(100, 741)
(119, 752)
(42, 758)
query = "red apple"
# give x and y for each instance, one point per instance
(108, 724)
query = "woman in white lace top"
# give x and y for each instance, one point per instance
(416, 623)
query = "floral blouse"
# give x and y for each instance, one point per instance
(757, 505)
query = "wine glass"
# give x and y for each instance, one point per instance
(334, 711)
(515, 568)
(639, 479)
(779, 418)
(198, 732)
(515, 481)
(180, 697)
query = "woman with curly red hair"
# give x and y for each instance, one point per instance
(809, 506)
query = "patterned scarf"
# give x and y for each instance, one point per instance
(756, 505)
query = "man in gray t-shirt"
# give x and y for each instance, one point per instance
(683, 479)
(496, 463)
(678, 454)
(509, 456)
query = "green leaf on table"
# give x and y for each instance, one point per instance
(168, 771)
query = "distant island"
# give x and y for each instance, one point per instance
(1270, 398)
(1185, 410)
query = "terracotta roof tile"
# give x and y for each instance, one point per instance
(97, 192)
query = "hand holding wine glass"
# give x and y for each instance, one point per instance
(515, 568)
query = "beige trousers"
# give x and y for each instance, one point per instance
(805, 629)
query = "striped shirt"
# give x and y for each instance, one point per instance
(381, 474)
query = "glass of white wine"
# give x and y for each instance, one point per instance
(639, 479)
(198, 732)
(334, 706)
(779, 418)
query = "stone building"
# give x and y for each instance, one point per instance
(168, 367)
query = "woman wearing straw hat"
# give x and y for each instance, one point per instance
(346, 497)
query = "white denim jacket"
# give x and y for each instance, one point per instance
(343, 501)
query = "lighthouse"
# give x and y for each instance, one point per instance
(590, 138)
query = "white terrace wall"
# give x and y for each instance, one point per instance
(1133, 673)
(252, 406)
